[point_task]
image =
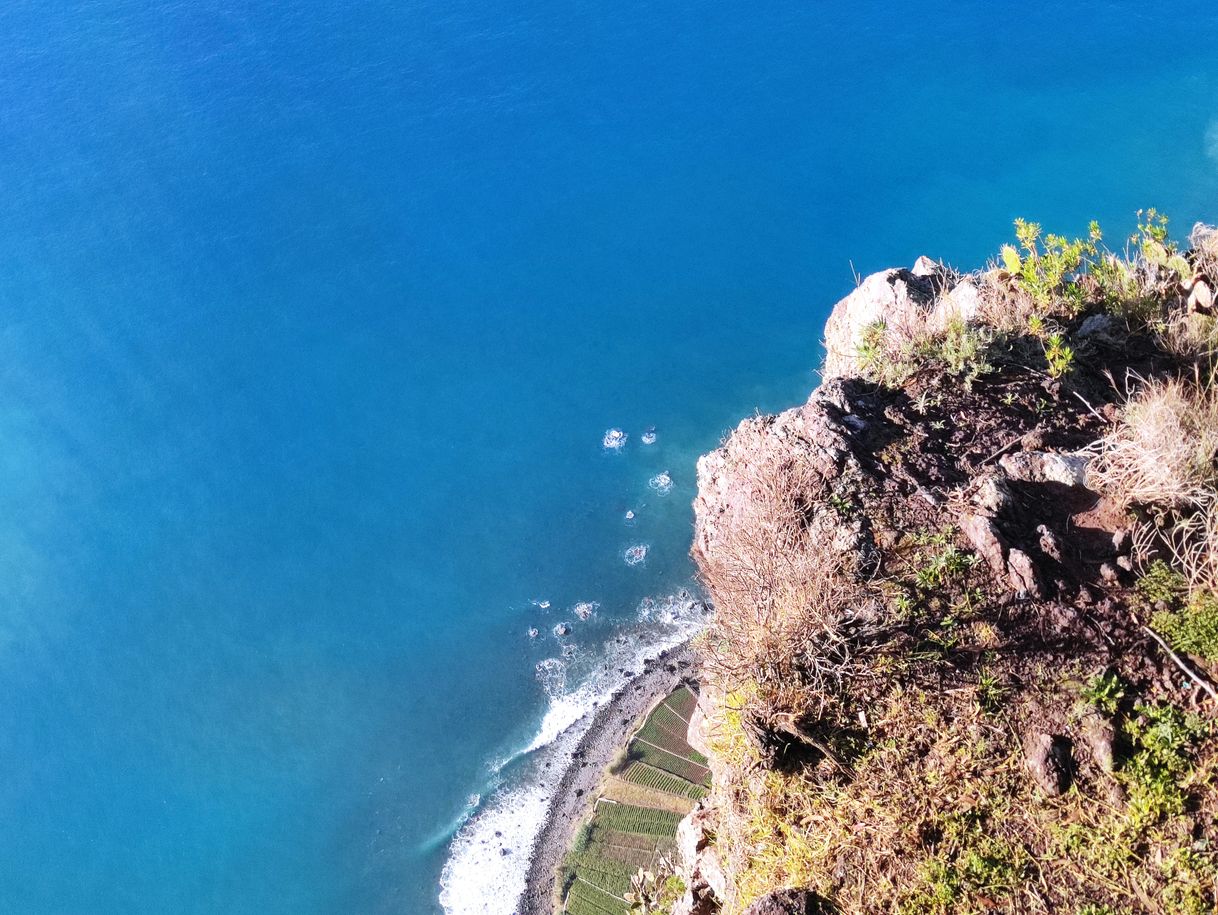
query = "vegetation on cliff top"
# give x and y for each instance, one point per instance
(943, 598)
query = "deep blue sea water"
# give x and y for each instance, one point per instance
(312, 319)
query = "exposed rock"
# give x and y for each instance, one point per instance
(705, 883)
(788, 902)
(696, 734)
(1110, 573)
(899, 298)
(987, 542)
(960, 303)
(1101, 328)
(1201, 298)
(811, 442)
(1100, 736)
(1022, 574)
(924, 266)
(993, 496)
(1046, 467)
(1049, 760)
(1050, 545)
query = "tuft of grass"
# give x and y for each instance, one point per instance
(1162, 451)
(990, 691)
(946, 562)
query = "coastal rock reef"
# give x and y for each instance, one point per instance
(965, 599)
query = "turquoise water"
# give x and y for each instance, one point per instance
(312, 319)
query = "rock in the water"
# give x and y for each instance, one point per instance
(788, 902)
(1049, 760)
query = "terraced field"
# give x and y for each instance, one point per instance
(622, 837)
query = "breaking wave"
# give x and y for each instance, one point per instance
(487, 870)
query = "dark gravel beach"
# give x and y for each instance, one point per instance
(611, 726)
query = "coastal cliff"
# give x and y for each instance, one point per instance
(965, 616)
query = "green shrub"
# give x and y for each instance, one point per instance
(1194, 628)
(1161, 584)
(1058, 355)
(1154, 776)
(1105, 692)
(1048, 267)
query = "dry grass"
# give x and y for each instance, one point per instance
(1162, 459)
(776, 588)
(624, 792)
(939, 817)
(1162, 451)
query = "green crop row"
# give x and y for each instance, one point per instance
(640, 820)
(682, 702)
(672, 763)
(668, 721)
(584, 899)
(650, 777)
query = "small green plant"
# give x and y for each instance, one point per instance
(1194, 628)
(989, 691)
(1152, 242)
(872, 350)
(940, 567)
(1161, 585)
(964, 349)
(1047, 267)
(1058, 355)
(1105, 691)
(841, 505)
(1156, 774)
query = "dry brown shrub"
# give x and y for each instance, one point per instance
(1204, 243)
(1162, 458)
(775, 589)
(1163, 449)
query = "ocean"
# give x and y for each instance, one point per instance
(313, 319)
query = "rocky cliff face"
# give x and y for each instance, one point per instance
(929, 635)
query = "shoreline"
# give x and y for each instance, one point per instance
(612, 724)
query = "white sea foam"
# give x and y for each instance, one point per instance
(614, 440)
(636, 554)
(661, 483)
(585, 608)
(488, 860)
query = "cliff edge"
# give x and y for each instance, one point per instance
(965, 610)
